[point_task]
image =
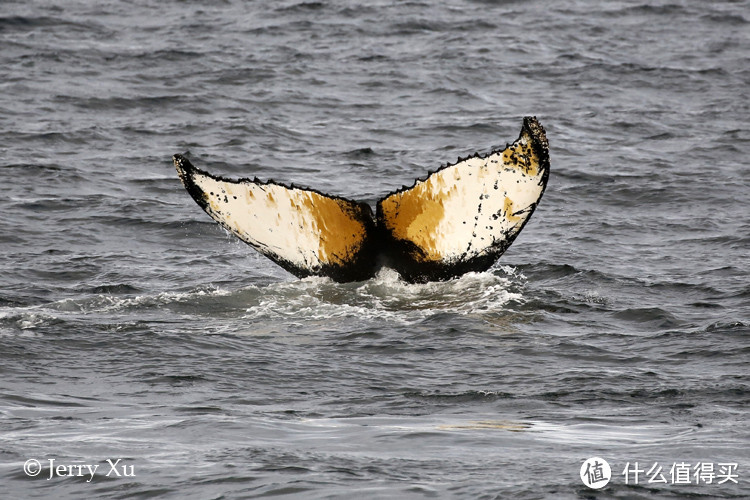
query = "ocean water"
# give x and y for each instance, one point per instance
(133, 328)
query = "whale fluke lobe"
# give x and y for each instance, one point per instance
(305, 232)
(460, 218)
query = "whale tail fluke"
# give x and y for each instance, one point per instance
(460, 218)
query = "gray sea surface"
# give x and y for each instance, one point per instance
(134, 328)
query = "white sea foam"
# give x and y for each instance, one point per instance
(385, 297)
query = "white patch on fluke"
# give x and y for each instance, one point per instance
(269, 217)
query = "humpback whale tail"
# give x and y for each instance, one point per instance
(460, 218)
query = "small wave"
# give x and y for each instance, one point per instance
(360, 153)
(726, 19)
(103, 308)
(106, 302)
(45, 401)
(119, 288)
(462, 397)
(24, 321)
(303, 7)
(415, 26)
(728, 327)
(667, 10)
(30, 23)
(651, 316)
